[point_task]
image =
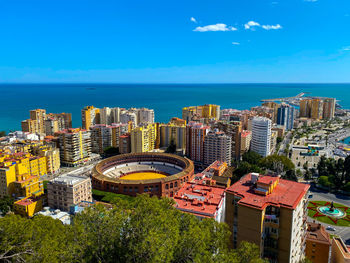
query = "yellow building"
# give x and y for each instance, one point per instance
(195, 113)
(28, 185)
(7, 177)
(178, 121)
(305, 108)
(28, 206)
(39, 116)
(172, 132)
(329, 108)
(38, 166)
(211, 111)
(52, 156)
(317, 109)
(143, 139)
(30, 126)
(90, 116)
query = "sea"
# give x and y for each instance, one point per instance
(167, 100)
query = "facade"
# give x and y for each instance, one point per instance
(68, 190)
(328, 108)
(125, 143)
(232, 129)
(145, 116)
(39, 116)
(245, 138)
(52, 156)
(305, 108)
(340, 251)
(127, 117)
(36, 123)
(165, 186)
(205, 112)
(195, 136)
(28, 206)
(51, 126)
(317, 109)
(7, 177)
(217, 147)
(178, 121)
(261, 136)
(318, 243)
(173, 132)
(270, 212)
(202, 201)
(104, 136)
(143, 139)
(286, 116)
(89, 117)
(75, 146)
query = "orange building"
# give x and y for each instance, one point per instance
(318, 243)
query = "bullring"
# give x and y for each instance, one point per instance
(159, 174)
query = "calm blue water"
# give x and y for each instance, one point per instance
(166, 100)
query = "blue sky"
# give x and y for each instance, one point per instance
(166, 41)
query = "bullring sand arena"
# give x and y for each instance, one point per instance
(153, 173)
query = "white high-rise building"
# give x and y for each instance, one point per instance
(261, 136)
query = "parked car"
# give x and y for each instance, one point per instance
(330, 228)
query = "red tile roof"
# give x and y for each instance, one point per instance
(200, 200)
(286, 194)
(267, 180)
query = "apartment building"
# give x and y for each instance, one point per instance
(68, 190)
(74, 145)
(270, 212)
(195, 136)
(261, 136)
(217, 147)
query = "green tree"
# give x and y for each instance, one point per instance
(277, 163)
(245, 168)
(2, 133)
(6, 204)
(251, 157)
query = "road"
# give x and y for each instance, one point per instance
(284, 143)
(319, 195)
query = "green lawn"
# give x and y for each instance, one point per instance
(325, 219)
(109, 197)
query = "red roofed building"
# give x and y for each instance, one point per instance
(201, 200)
(270, 212)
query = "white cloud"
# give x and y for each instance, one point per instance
(216, 27)
(346, 48)
(193, 20)
(271, 27)
(251, 24)
(310, 0)
(236, 43)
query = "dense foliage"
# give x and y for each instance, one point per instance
(146, 230)
(334, 174)
(253, 162)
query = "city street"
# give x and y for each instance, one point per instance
(319, 195)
